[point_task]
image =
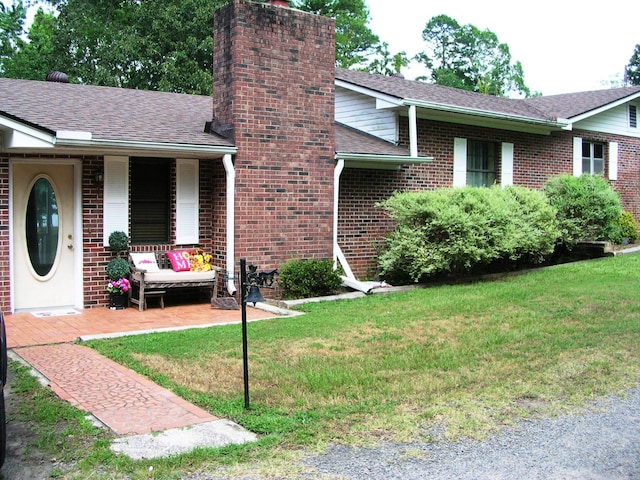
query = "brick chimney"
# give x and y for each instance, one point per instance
(273, 87)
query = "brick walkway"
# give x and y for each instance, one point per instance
(126, 402)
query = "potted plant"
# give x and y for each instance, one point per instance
(118, 293)
(118, 286)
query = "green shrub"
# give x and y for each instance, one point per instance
(308, 278)
(117, 268)
(624, 226)
(458, 229)
(586, 206)
(118, 241)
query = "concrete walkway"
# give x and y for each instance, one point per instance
(122, 400)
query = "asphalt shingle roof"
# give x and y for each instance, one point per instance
(158, 117)
(350, 140)
(111, 113)
(538, 108)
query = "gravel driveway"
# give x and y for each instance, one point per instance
(600, 442)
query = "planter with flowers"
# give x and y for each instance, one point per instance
(118, 272)
(118, 293)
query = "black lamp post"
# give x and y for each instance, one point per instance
(250, 292)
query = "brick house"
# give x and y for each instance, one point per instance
(287, 159)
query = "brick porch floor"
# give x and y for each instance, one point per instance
(124, 401)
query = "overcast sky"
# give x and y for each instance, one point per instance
(564, 45)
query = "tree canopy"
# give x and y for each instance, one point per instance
(355, 42)
(463, 56)
(12, 20)
(167, 45)
(632, 71)
(162, 45)
(157, 44)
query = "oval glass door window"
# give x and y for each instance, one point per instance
(42, 226)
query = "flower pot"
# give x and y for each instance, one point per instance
(118, 301)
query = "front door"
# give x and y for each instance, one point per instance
(43, 242)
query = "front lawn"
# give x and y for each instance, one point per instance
(464, 359)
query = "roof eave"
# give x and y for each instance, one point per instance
(390, 99)
(380, 162)
(604, 108)
(127, 145)
(557, 124)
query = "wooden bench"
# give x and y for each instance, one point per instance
(160, 276)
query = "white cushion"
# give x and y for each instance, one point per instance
(145, 261)
(168, 275)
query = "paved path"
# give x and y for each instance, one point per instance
(123, 400)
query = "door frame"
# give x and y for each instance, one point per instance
(78, 264)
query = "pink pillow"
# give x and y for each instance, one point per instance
(179, 260)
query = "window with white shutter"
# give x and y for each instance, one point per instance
(116, 196)
(187, 204)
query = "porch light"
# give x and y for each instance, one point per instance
(98, 176)
(250, 283)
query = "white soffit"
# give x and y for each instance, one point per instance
(18, 135)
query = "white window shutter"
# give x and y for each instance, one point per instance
(116, 196)
(187, 201)
(613, 160)
(577, 156)
(459, 162)
(506, 176)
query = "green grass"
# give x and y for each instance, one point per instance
(466, 359)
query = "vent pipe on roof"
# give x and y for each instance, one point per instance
(58, 77)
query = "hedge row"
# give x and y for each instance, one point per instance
(456, 230)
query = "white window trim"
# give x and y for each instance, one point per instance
(187, 201)
(116, 196)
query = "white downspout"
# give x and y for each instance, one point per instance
(413, 131)
(231, 224)
(337, 171)
(338, 256)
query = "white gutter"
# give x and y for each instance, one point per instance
(155, 146)
(381, 160)
(413, 131)
(558, 123)
(231, 214)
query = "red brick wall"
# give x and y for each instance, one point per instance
(274, 84)
(362, 225)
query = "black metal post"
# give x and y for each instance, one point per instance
(245, 353)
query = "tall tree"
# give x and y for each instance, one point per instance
(632, 72)
(463, 56)
(355, 42)
(12, 20)
(153, 44)
(384, 62)
(35, 57)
